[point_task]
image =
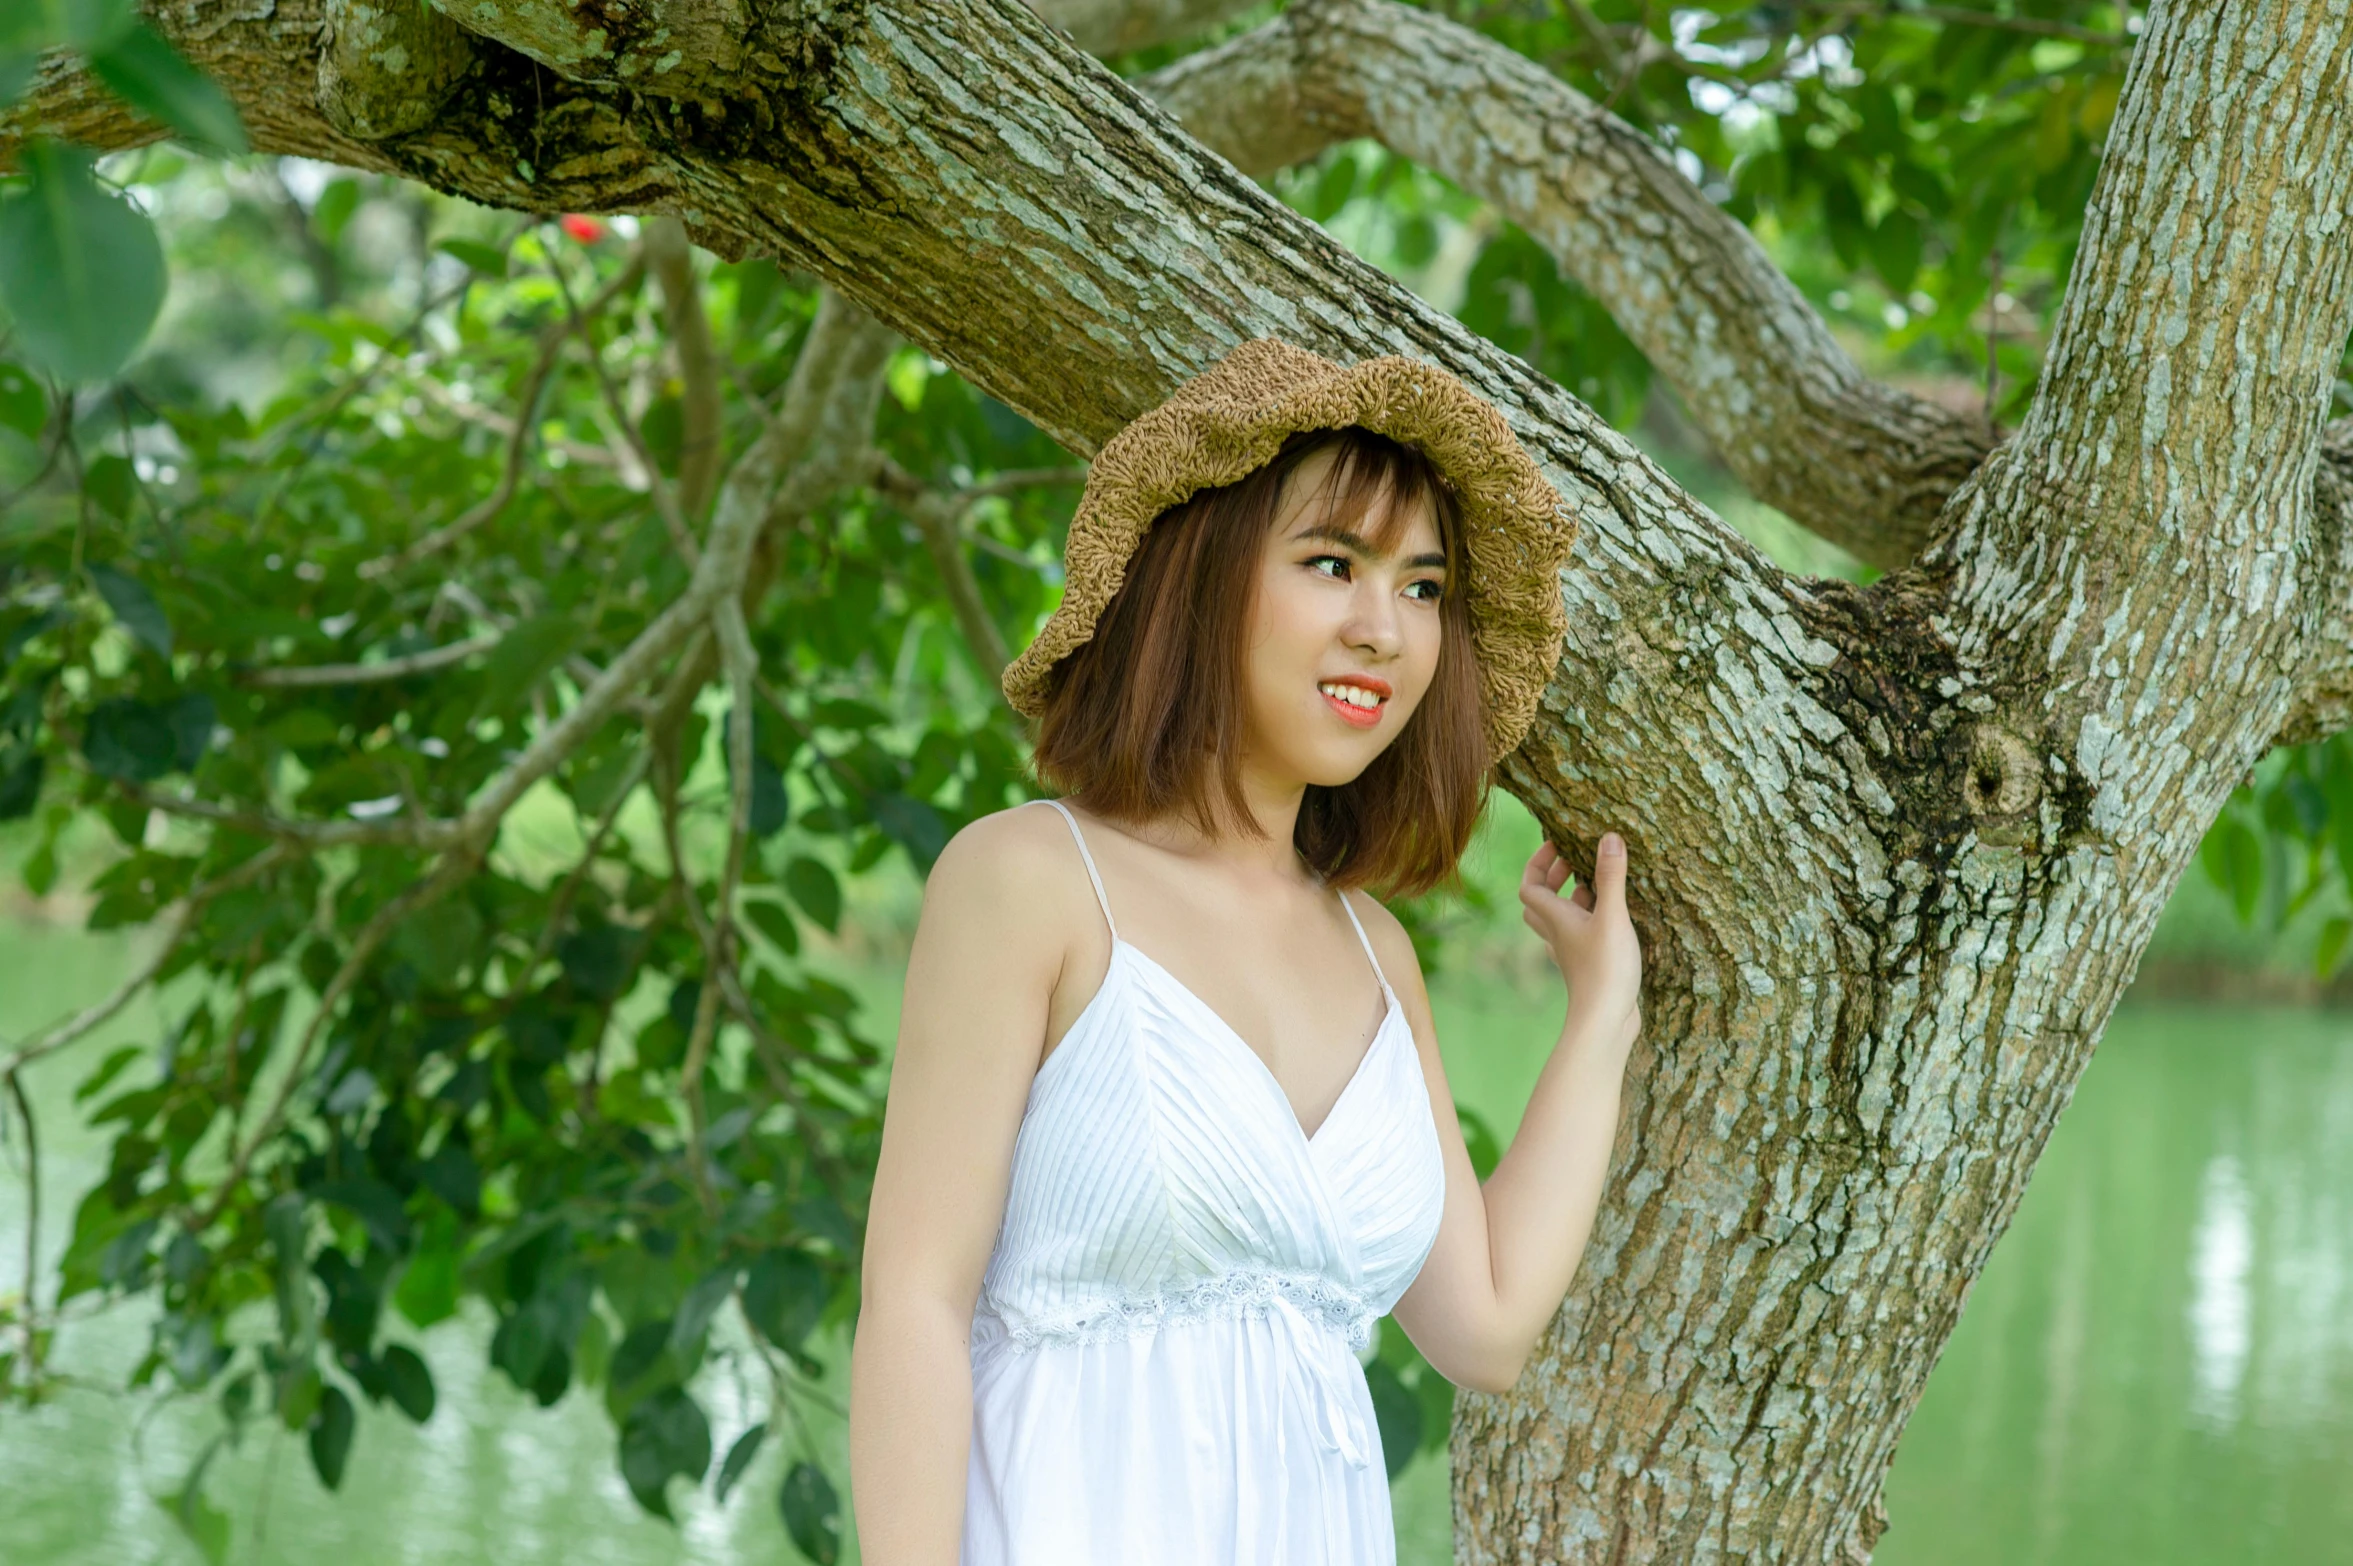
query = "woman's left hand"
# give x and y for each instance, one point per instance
(1592, 939)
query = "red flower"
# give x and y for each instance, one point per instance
(587, 230)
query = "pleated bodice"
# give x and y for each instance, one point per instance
(1167, 1338)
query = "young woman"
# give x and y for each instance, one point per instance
(1168, 1130)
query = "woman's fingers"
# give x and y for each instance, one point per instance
(1609, 871)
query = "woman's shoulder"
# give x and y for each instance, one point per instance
(1392, 943)
(1017, 860)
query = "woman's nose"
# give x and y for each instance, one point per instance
(1373, 624)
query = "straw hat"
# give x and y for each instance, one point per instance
(1231, 418)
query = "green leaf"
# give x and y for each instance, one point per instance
(813, 886)
(525, 656)
(81, 272)
(129, 740)
(769, 807)
(24, 407)
(783, 1295)
(2332, 945)
(812, 1513)
(664, 1437)
(428, 1291)
(1479, 1141)
(111, 483)
(20, 783)
(488, 260)
(193, 719)
(452, 1175)
(206, 1525)
(148, 74)
(914, 825)
(408, 1383)
(739, 1458)
(135, 609)
(334, 208)
(331, 1431)
(702, 1302)
(111, 1067)
(31, 26)
(440, 942)
(1895, 251)
(1398, 1413)
(2233, 856)
(775, 921)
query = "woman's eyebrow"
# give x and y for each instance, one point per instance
(1347, 539)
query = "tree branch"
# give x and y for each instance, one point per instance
(1116, 26)
(1859, 463)
(939, 517)
(313, 676)
(699, 451)
(2323, 703)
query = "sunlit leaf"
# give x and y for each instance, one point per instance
(485, 259)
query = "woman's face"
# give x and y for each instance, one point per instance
(1343, 638)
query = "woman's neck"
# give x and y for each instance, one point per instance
(1273, 804)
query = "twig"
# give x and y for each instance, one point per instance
(75, 1027)
(32, 1312)
(938, 517)
(665, 503)
(543, 363)
(452, 869)
(315, 675)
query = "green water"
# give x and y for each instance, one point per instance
(2156, 1368)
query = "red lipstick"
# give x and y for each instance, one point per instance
(1359, 717)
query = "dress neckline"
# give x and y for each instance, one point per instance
(1225, 1032)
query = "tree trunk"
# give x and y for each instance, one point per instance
(1897, 849)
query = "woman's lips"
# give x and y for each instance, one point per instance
(1360, 717)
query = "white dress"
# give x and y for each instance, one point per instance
(1166, 1351)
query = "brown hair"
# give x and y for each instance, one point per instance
(1174, 629)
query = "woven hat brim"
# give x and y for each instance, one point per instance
(1230, 420)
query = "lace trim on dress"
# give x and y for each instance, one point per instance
(1246, 1290)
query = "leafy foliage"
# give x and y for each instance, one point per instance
(394, 1088)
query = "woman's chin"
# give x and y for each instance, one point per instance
(1337, 765)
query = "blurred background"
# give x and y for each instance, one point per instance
(2156, 1367)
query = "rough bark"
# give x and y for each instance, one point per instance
(1858, 462)
(1898, 848)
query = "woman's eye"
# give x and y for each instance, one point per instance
(1320, 561)
(1428, 592)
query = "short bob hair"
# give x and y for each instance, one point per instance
(1140, 719)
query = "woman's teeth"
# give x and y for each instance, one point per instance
(1354, 695)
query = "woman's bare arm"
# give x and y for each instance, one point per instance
(1508, 1249)
(988, 953)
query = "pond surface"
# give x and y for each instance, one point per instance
(2156, 1368)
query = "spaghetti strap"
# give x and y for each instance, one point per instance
(1102, 901)
(1368, 945)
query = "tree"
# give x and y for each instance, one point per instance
(1903, 841)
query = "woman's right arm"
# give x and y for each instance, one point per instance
(988, 952)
